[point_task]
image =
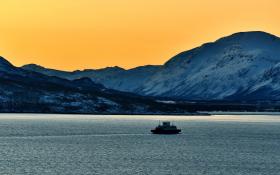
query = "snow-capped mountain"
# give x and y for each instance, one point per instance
(242, 66)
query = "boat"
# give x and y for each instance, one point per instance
(166, 128)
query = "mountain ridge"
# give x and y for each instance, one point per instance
(232, 67)
(106, 76)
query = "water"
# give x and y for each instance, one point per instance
(73, 144)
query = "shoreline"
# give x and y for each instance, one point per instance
(199, 113)
(242, 113)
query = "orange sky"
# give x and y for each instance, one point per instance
(79, 34)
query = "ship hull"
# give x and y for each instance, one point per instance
(156, 131)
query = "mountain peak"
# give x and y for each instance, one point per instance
(249, 36)
(259, 33)
(3, 61)
(32, 66)
(5, 65)
(114, 68)
(38, 68)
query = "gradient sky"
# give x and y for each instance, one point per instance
(79, 34)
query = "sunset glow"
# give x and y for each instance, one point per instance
(80, 34)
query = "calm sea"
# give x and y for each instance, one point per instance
(81, 145)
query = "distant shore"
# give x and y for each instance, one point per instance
(242, 113)
(204, 113)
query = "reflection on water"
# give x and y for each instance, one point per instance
(77, 144)
(207, 118)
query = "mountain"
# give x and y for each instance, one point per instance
(111, 77)
(28, 91)
(242, 66)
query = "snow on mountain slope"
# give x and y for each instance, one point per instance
(218, 70)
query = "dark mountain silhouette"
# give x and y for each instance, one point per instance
(28, 91)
